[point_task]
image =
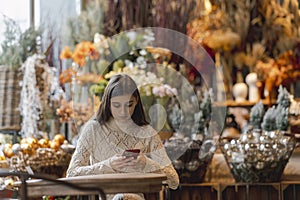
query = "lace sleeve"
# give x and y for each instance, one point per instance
(80, 162)
(159, 155)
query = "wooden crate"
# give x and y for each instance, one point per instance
(10, 90)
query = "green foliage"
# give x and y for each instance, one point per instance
(131, 42)
(56, 198)
(175, 117)
(86, 25)
(257, 114)
(282, 118)
(275, 118)
(269, 121)
(18, 45)
(283, 97)
(203, 117)
(98, 89)
(119, 64)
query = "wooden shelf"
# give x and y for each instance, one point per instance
(284, 190)
(232, 103)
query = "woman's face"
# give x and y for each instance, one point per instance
(122, 107)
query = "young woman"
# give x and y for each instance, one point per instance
(120, 125)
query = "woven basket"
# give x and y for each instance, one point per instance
(10, 90)
(44, 160)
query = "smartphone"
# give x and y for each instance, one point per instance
(131, 153)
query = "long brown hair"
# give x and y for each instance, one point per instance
(118, 85)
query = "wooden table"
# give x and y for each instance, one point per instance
(109, 183)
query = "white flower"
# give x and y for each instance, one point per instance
(169, 92)
(131, 35)
(100, 41)
(155, 91)
(175, 92)
(128, 63)
(140, 60)
(143, 52)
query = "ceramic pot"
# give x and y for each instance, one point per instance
(251, 80)
(240, 91)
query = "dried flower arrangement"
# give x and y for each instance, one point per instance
(261, 154)
(283, 70)
(245, 32)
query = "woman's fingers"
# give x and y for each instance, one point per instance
(119, 162)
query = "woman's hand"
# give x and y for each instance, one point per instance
(119, 163)
(139, 163)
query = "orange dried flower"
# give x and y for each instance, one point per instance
(82, 51)
(94, 53)
(66, 76)
(79, 58)
(66, 53)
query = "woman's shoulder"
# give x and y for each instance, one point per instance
(149, 131)
(92, 129)
(94, 122)
(89, 127)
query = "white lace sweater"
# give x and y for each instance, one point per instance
(98, 143)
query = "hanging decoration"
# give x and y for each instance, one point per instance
(33, 94)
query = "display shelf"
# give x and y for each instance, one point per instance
(228, 191)
(210, 191)
(244, 191)
(232, 103)
(290, 190)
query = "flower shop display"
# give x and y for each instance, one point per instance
(258, 156)
(261, 153)
(155, 78)
(39, 156)
(29, 91)
(191, 154)
(98, 88)
(158, 114)
(155, 94)
(87, 74)
(34, 94)
(249, 34)
(283, 70)
(15, 48)
(256, 115)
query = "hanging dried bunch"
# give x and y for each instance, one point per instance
(279, 24)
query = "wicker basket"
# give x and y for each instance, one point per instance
(43, 161)
(10, 90)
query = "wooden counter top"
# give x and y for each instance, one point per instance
(109, 183)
